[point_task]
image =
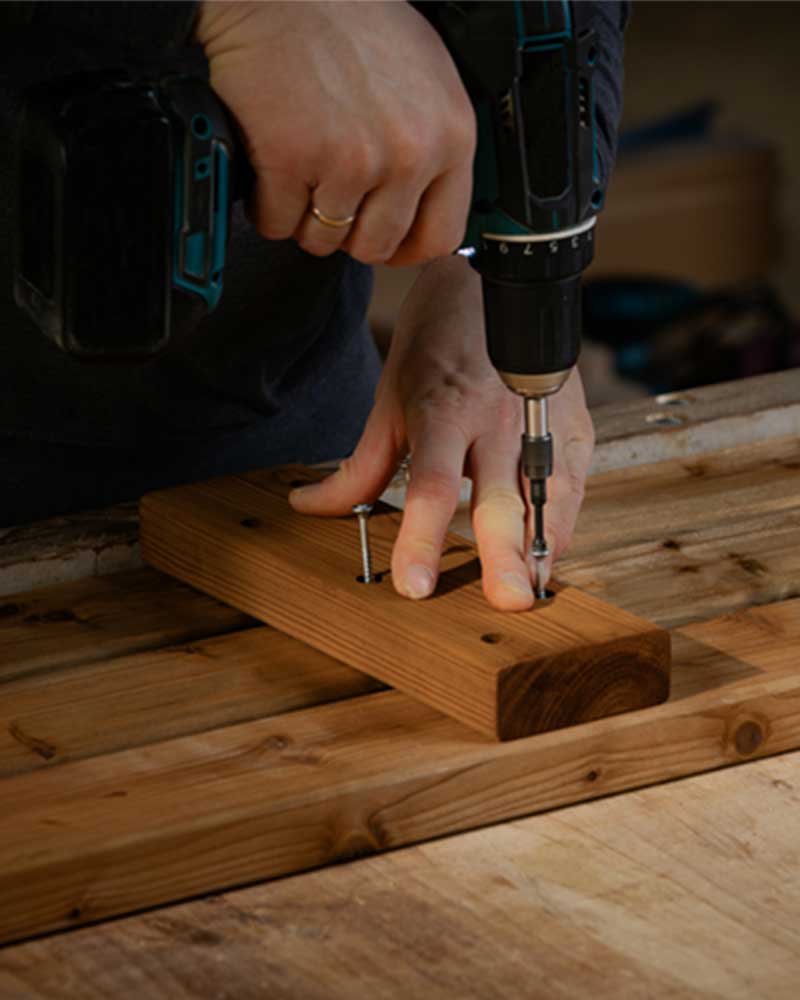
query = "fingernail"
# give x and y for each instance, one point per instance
(517, 583)
(419, 581)
(299, 492)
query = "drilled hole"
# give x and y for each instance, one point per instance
(665, 419)
(492, 638)
(250, 522)
(548, 596)
(376, 578)
(296, 483)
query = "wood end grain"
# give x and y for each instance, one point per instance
(584, 684)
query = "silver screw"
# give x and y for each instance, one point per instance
(362, 512)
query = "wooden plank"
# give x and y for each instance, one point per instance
(686, 495)
(96, 619)
(686, 539)
(570, 660)
(683, 890)
(690, 423)
(71, 547)
(95, 708)
(148, 825)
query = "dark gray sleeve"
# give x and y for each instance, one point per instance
(608, 19)
(130, 24)
(40, 39)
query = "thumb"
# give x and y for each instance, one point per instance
(362, 477)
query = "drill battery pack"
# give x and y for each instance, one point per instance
(124, 200)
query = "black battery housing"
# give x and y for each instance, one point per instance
(110, 195)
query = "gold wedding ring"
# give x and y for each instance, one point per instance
(328, 220)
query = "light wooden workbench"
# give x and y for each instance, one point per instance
(685, 889)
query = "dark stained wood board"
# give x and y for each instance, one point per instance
(117, 832)
(569, 660)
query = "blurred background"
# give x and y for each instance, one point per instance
(696, 278)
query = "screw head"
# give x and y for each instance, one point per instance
(362, 508)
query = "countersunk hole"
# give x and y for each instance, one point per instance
(665, 419)
(376, 578)
(492, 638)
(671, 399)
(250, 522)
(592, 776)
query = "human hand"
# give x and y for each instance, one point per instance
(440, 398)
(357, 104)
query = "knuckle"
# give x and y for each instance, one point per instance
(577, 486)
(363, 163)
(441, 243)
(348, 468)
(434, 485)
(424, 547)
(500, 500)
(449, 391)
(462, 130)
(411, 150)
(271, 231)
(317, 249)
(369, 253)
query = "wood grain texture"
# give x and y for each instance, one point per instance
(275, 796)
(49, 719)
(96, 619)
(682, 890)
(570, 660)
(710, 418)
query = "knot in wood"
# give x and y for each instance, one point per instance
(748, 738)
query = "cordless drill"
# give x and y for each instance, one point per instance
(528, 68)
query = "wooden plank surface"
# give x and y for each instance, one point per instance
(685, 424)
(94, 708)
(98, 618)
(130, 829)
(705, 901)
(569, 660)
(688, 890)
